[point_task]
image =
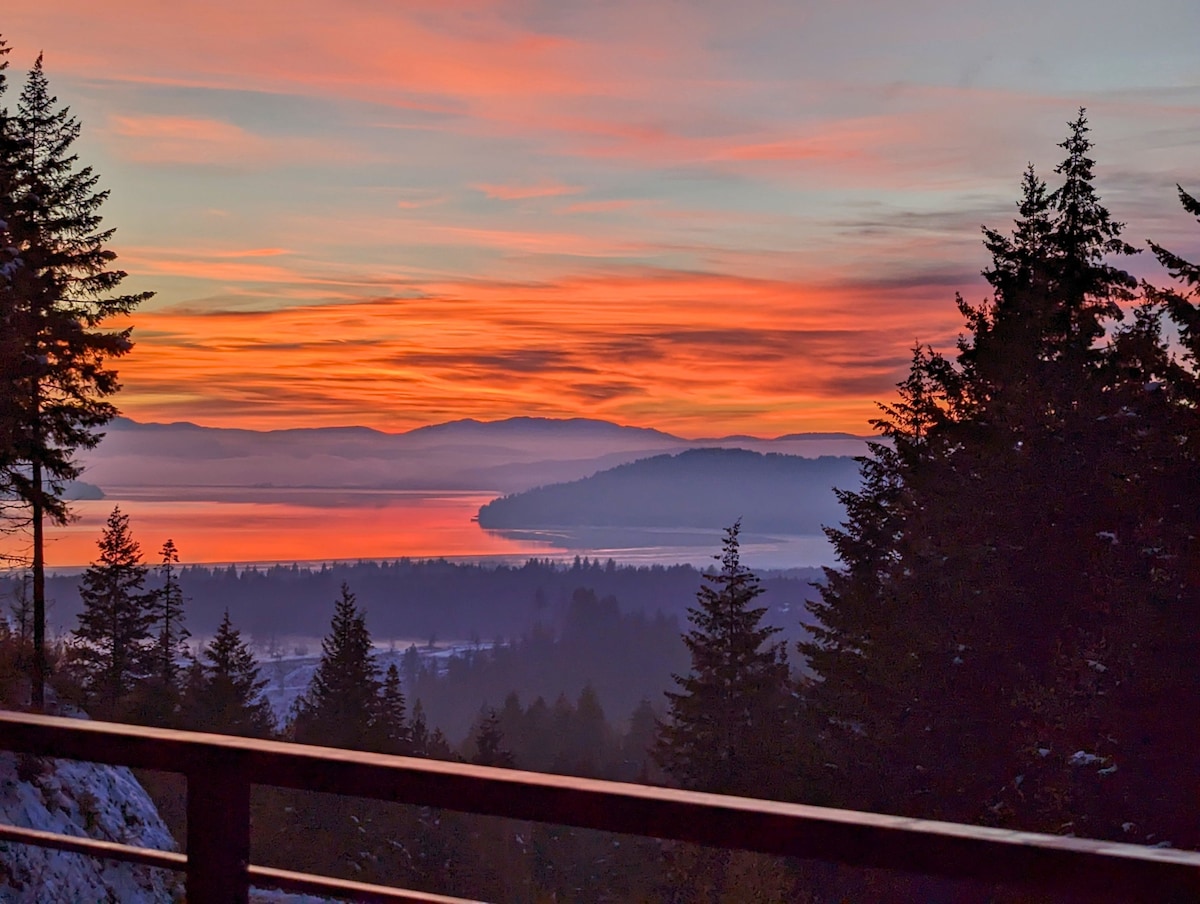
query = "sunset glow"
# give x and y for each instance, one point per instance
(707, 218)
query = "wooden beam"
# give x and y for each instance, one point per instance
(306, 883)
(94, 847)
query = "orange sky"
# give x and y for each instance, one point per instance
(708, 218)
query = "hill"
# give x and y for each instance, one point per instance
(701, 488)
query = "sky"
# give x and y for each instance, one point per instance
(706, 217)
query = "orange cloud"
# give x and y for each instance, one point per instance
(399, 297)
(695, 353)
(419, 203)
(522, 192)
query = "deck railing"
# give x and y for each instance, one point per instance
(220, 771)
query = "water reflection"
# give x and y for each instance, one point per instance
(273, 524)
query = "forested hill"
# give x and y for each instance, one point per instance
(704, 488)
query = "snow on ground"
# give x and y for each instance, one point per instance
(73, 798)
(87, 799)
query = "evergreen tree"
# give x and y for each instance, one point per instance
(158, 699)
(55, 373)
(418, 731)
(488, 741)
(1181, 308)
(224, 690)
(997, 594)
(172, 633)
(114, 641)
(9, 263)
(588, 745)
(391, 723)
(341, 706)
(22, 622)
(638, 742)
(726, 722)
(12, 351)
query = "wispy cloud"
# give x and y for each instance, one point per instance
(654, 348)
(546, 189)
(184, 140)
(193, 142)
(725, 216)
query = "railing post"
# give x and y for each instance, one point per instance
(218, 835)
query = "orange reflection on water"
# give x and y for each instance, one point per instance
(265, 525)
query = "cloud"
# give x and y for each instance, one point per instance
(180, 139)
(546, 189)
(644, 347)
(211, 143)
(609, 206)
(420, 203)
(408, 211)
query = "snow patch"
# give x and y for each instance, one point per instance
(82, 799)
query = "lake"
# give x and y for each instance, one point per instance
(221, 525)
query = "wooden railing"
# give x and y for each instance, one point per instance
(221, 769)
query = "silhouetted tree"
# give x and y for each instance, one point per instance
(224, 688)
(341, 705)
(114, 641)
(418, 731)
(639, 741)
(726, 721)
(11, 350)
(56, 382)
(1001, 587)
(489, 742)
(22, 623)
(172, 633)
(1181, 307)
(391, 722)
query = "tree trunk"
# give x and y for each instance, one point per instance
(37, 692)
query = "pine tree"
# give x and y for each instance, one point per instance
(224, 690)
(22, 622)
(12, 351)
(341, 706)
(638, 741)
(727, 720)
(172, 633)
(995, 601)
(1182, 310)
(488, 741)
(418, 731)
(114, 641)
(391, 721)
(56, 378)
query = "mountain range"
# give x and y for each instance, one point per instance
(503, 456)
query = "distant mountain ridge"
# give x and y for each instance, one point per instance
(475, 426)
(502, 456)
(697, 488)
(544, 424)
